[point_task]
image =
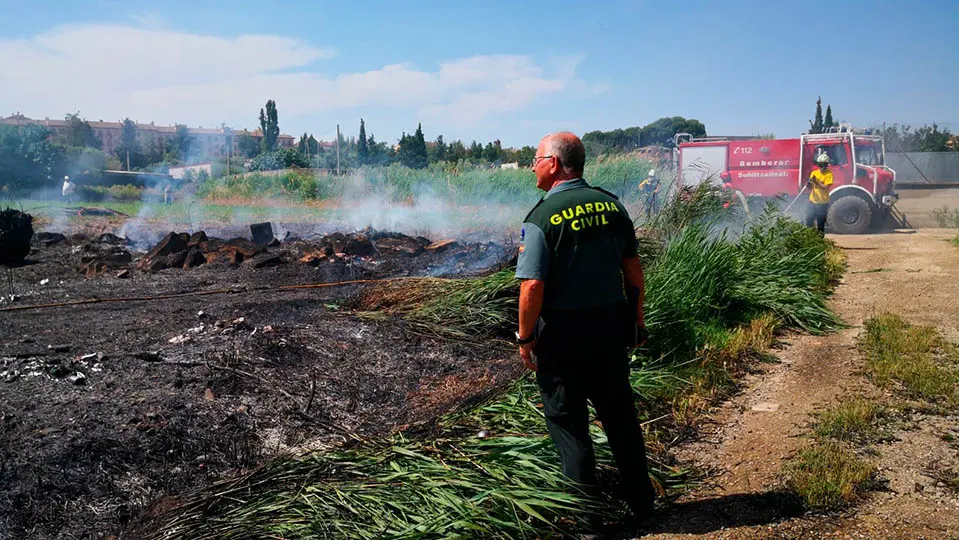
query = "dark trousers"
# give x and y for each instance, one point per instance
(581, 356)
(816, 214)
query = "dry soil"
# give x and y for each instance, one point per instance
(747, 439)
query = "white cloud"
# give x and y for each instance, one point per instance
(156, 74)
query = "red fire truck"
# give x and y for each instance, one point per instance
(757, 169)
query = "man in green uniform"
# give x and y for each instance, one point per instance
(578, 261)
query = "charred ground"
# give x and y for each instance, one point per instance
(110, 410)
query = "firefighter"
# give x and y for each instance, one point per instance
(650, 188)
(68, 189)
(819, 182)
(577, 255)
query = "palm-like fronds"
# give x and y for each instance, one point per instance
(702, 282)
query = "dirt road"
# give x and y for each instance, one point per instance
(748, 439)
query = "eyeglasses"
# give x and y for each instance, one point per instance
(537, 158)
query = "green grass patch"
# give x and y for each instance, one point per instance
(856, 420)
(915, 359)
(459, 183)
(829, 476)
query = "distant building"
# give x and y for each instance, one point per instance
(208, 141)
(513, 165)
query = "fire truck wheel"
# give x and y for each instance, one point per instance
(849, 215)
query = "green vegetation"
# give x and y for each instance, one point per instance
(279, 159)
(828, 475)
(657, 133)
(914, 359)
(709, 310)
(481, 308)
(903, 138)
(412, 151)
(818, 125)
(269, 126)
(33, 157)
(117, 193)
(455, 182)
(855, 419)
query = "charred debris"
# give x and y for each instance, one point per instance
(367, 250)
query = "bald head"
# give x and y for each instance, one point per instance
(568, 149)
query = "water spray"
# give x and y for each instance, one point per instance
(801, 191)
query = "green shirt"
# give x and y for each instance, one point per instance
(575, 241)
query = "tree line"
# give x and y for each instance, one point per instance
(411, 150)
(898, 137)
(32, 156)
(657, 133)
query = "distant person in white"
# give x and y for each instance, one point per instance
(68, 189)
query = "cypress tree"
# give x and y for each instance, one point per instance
(362, 145)
(817, 125)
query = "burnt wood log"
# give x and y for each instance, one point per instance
(16, 232)
(262, 233)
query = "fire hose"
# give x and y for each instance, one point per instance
(790, 205)
(200, 293)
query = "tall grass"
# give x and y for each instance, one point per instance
(712, 299)
(459, 182)
(703, 283)
(475, 309)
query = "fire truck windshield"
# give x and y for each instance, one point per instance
(836, 153)
(868, 155)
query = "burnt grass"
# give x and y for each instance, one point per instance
(109, 412)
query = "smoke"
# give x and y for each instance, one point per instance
(365, 203)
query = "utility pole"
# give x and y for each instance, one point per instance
(337, 149)
(128, 160)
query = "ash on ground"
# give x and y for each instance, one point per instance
(109, 411)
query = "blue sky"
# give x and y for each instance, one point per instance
(483, 70)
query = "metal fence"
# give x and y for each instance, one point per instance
(924, 167)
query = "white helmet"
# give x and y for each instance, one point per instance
(652, 172)
(66, 178)
(822, 159)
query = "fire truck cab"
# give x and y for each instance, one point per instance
(863, 188)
